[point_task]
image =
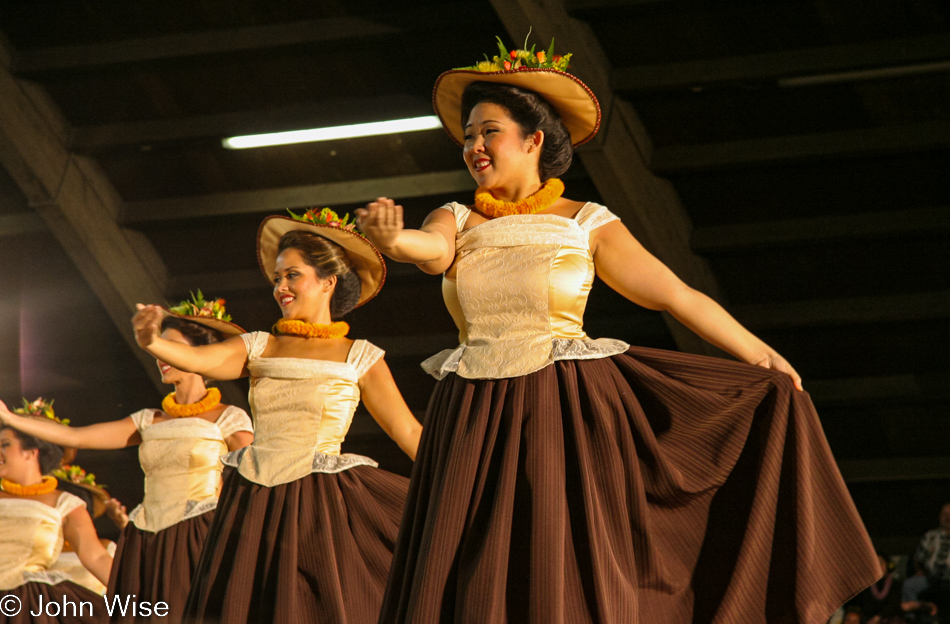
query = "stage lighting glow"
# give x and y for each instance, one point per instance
(375, 128)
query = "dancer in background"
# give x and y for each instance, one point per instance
(35, 519)
(303, 532)
(179, 449)
(563, 479)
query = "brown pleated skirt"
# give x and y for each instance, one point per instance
(158, 566)
(82, 606)
(317, 549)
(650, 487)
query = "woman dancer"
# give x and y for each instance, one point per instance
(179, 449)
(35, 519)
(302, 533)
(563, 479)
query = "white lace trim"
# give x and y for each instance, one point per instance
(447, 361)
(45, 576)
(139, 515)
(322, 462)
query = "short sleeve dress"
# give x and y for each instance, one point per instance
(303, 532)
(31, 540)
(159, 549)
(566, 480)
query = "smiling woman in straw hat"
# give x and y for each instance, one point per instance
(179, 449)
(304, 533)
(36, 518)
(567, 479)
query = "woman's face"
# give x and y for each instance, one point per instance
(15, 462)
(495, 152)
(300, 292)
(170, 374)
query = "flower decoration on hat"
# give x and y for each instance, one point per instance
(515, 59)
(540, 71)
(71, 473)
(40, 408)
(200, 307)
(325, 216)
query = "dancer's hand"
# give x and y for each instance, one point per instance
(117, 513)
(381, 222)
(147, 324)
(3, 413)
(776, 362)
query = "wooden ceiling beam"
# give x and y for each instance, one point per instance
(845, 143)
(420, 19)
(895, 469)
(872, 309)
(269, 200)
(78, 204)
(904, 388)
(725, 238)
(21, 223)
(617, 159)
(310, 115)
(181, 45)
(775, 66)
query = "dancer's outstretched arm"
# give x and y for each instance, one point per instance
(108, 435)
(431, 248)
(384, 401)
(219, 360)
(627, 267)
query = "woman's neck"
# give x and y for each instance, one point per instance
(27, 477)
(190, 390)
(516, 191)
(317, 318)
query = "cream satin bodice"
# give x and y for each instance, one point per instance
(302, 410)
(518, 298)
(31, 539)
(181, 461)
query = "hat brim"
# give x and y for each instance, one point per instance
(99, 497)
(572, 99)
(367, 261)
(225, 327)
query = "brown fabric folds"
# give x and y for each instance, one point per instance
(29, 596)
(316, 549)
(158, 566)
(651, 487)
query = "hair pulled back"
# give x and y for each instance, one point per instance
(532, 113)
(196, 334)
(327, 259)
(50, 455)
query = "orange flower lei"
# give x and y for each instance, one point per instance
(549, 193)
(294, 327)
(47, 485)
(176, 410)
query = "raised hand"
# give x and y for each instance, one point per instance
(147, 324)
(381, 222)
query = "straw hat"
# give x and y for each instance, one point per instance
(541, 72)
(366, 260)
(77, 477)
(210, 313)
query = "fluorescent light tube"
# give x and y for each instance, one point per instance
(374, 128)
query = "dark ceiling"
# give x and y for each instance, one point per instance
(788, 157)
